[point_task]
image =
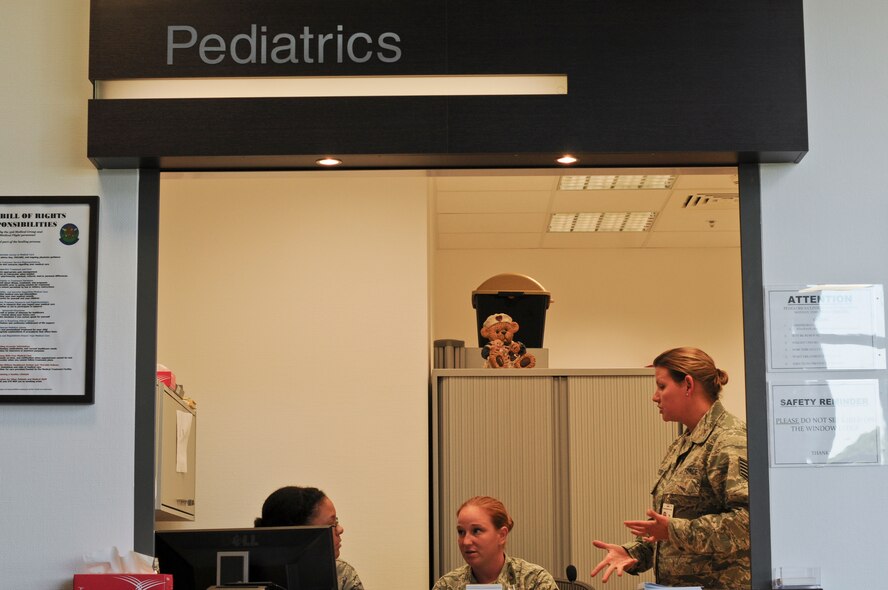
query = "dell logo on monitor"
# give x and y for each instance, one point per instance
(245, 540)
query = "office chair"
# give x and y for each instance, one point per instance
(570, 583)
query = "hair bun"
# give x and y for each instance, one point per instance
(721, 377)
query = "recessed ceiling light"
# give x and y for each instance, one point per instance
(566, 159)
(619, 221)
(616, 182)
(329, 161)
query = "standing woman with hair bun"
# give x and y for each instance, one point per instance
(697, 533)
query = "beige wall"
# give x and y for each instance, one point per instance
(66, 472)
(612, 308)
(293, 309)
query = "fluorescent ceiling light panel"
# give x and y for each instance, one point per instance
(616, 182)
(639, 221)
(326, 86)
(586, 222)
(562, 222)
(628, 221)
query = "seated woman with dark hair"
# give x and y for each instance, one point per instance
(298, 506)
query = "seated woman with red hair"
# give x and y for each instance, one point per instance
(482, 527)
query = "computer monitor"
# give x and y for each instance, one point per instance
(294, 558)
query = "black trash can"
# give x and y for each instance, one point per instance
(519, 296)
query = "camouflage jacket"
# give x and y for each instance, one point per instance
(347, 576)
(516, 574)
(704, 477)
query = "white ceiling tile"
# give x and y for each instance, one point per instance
(712, 182)
(494, 223)
(496, 183)
(493, 201)
(596, 240)
(696, 220)
(609, 200)
(486, 241)
(686, 239)
(499, 210)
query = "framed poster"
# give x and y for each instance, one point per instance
(827, 422)
(48, 248)
(825, 327)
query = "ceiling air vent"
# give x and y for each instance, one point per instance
(710, 199)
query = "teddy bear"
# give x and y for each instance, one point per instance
(503, 351)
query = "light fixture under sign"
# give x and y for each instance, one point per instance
(329, 161)
(328, 86)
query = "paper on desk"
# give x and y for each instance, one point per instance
(110, 561)
(183, 433)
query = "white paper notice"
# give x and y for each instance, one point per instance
(827, 327)
(827, 422)
(183, 433)
(44, 263)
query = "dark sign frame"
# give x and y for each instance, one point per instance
(684, 83)
(86, 393)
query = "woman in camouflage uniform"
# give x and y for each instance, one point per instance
(482, 526)
(297, 506)
(697, 532)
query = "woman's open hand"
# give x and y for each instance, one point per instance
(655, 529)
(616, 560)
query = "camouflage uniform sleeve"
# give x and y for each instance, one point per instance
(523, 575)
(543, 581)
(726, 531)
(452, 580)
(347, 576)
(644, 553)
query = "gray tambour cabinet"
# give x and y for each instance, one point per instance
(175, 456)
(572, 453)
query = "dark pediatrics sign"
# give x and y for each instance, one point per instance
(263, 46)
(264, 38)
(648, 82)
(47, 298)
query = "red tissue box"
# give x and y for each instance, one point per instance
(168, 378)
(123, 582)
